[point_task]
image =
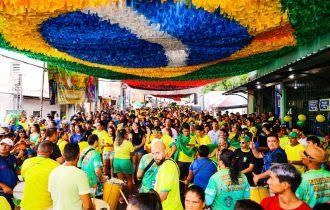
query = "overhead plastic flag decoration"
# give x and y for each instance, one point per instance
(160, 40)
(168, 85)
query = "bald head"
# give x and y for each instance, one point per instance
(158, 149)
(158, 144)
(45, 149)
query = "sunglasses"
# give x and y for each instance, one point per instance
(307, 155)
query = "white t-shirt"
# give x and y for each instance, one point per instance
(214, 136)
(303, 141)
(66, 184)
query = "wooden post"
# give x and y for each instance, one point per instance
(42, 88)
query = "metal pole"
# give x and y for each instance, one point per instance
(283, 101)
(20, 99)
(42, 89)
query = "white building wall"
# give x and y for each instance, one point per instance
(31, 105)
(31, 84)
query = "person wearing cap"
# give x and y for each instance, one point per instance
(314, 187)
(246, 159)
(293, 150)
(302, 137)
(8, 175)
(35, 172)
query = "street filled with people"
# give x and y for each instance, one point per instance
(168, 158)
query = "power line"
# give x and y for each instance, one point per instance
(41, 67)
(15, 59)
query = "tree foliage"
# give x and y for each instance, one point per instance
(227, 84)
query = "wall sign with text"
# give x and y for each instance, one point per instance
(313, 105)
(324, 104)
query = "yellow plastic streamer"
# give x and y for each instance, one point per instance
(257, 15)
(16, 7)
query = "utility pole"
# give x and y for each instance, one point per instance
(42, 89)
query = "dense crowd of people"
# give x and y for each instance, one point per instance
(169, 158)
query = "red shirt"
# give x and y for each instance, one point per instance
(272, 203)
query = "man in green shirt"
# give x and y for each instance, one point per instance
(147, 172)
(314, 187)
(91, 163)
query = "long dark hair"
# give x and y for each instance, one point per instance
(113, 132)
(229, 159)
(120, 136)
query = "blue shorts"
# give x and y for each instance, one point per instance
(140, 150)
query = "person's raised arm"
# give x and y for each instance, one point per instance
(255, 152)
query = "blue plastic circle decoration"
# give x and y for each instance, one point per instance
(147, 41)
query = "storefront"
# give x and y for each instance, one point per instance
(299, 86)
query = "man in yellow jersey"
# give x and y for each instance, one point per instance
(167, 179)
(35, 172)
(202, 139)
(293, 150)
(101, 134)
(186, 149)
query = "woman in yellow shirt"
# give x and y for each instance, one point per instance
(169, 142)
(63, 140)
(108, 153)
(149, 137)
(122, 163)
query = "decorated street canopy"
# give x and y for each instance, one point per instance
(160, 44)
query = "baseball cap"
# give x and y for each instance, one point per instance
(293, 135)
(246, 138)
(314, 153)
(7, 141)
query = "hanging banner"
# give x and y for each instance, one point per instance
(91, 87)
(71, 86)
